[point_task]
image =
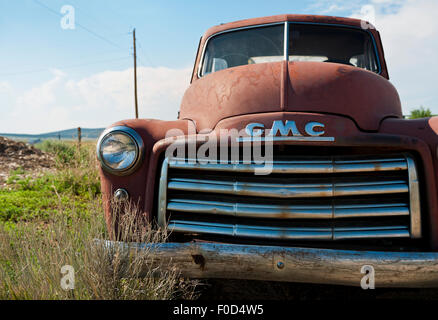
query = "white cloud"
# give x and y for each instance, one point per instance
(386, 2)
(5, 87)
(334, 8)
(41, 97)
(95, 101)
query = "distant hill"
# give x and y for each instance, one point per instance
(69, 134)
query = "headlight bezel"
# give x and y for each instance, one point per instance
(138, 141)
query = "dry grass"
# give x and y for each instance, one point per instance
(33, 251)
(31, 257)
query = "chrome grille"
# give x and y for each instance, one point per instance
(318, 198)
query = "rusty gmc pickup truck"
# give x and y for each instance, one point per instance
(320, 174)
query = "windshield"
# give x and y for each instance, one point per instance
(306, 42)
(348, 46)
(236, 48)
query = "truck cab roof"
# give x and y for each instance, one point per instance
(311, 45)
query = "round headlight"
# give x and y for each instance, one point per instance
(119, 150)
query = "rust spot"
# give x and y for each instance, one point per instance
(199, 260)
(343, 70)
(377, 167)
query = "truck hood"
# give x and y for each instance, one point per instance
(365, 97)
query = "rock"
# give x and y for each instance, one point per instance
(16, 154)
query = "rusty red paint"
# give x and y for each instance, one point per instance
(306, 87)
(359, 108)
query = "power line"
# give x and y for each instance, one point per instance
(80, 25)
(144, 53)
(99, 21)
(26, 65)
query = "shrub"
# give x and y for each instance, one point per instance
(420, 113)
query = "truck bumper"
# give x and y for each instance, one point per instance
(271, 263)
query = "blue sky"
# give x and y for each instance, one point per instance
(167, 31)
(52, 79)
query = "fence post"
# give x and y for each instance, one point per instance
(79, 139)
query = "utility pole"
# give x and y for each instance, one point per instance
(135, 77)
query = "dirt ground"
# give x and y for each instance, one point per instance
(15, 155)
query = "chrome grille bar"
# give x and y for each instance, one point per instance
(287, 233)
(250, 231)
(288, 190)
(371, 232)
(327, 165)
(270, 211)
